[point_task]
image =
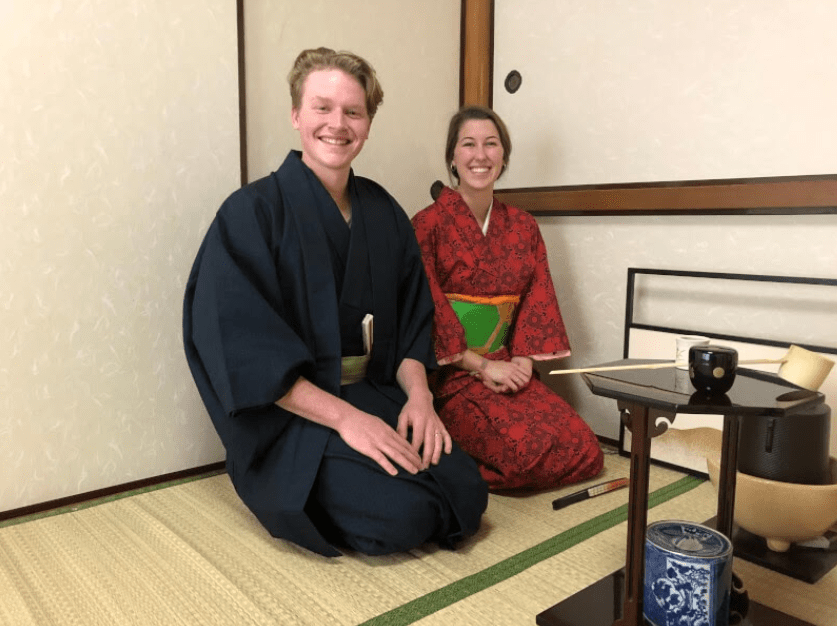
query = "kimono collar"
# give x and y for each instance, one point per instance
(301, 190)
(455, 203)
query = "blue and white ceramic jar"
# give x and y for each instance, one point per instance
(688, 575)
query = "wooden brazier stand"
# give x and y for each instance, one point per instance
(644, 396)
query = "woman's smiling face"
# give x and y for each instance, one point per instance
(478, 155)
(332, 120)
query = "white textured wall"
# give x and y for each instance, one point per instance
(118, 140)
(659, 90)
(414, 48)
(617, 92)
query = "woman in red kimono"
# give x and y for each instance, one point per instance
(496, 312)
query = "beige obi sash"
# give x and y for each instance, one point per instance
(353, 369)
(486, 320)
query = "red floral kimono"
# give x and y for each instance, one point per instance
(530, 439)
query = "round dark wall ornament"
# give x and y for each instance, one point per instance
(513, 81)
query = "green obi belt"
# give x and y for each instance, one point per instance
(486, 320)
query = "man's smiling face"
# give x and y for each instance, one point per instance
(332, 120)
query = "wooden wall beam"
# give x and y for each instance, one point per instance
(476, 52)
(806, 195)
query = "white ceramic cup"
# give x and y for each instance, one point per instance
(682, 381)
(683, 343)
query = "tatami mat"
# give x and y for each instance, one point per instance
(192, 554)
(521, 598)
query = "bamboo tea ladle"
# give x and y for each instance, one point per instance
(799, 366)
(652, 366)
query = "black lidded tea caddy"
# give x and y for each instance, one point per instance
(712, 368)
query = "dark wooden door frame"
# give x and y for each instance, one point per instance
(242, 91)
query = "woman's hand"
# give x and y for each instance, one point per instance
(506, 376)
(526, 364)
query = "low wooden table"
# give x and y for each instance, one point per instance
(643, 396)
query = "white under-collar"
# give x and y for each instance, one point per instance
(487, 217)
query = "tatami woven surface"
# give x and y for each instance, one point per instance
(192, 554)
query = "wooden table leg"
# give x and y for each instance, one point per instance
(637, 422)
(727, 477)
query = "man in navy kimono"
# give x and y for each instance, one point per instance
(307, 328)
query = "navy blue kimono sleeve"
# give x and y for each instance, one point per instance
(235, 322)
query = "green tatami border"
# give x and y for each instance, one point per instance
(454, 592)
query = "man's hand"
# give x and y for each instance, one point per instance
(372, 437)
(429, 433)
(366, 433)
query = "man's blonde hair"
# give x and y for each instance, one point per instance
(315, 59)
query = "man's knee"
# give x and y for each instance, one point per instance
(410, 523)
